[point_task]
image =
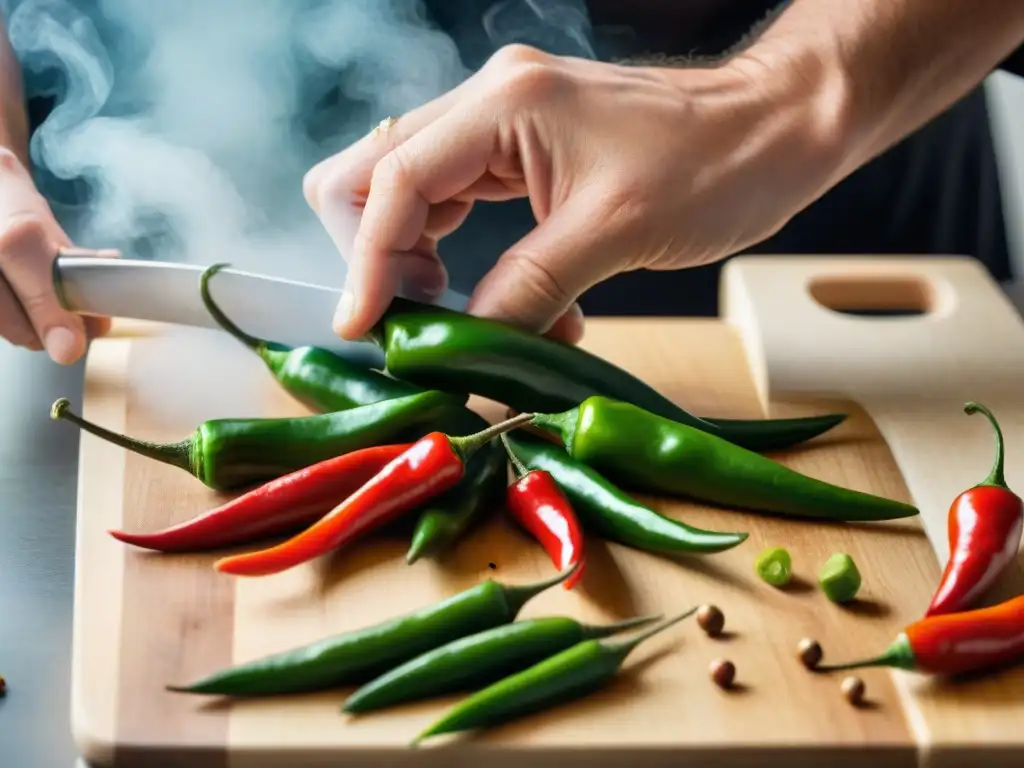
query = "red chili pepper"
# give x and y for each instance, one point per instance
(984, 524)
(955, 643)
(433, 464)
(538, 504)
(285, 504)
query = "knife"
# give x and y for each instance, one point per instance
(276, 309)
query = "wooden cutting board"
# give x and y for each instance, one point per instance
(143, 620)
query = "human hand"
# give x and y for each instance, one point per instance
(30, 238)
(625, 168)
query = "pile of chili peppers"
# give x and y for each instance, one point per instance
(381, 445)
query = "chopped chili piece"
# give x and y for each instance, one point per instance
(537, 504)
(839, 578)
(433, 464)
(775, 566)
(984, 525)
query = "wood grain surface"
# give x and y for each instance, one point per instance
(144, 620)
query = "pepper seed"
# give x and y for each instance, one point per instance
(810, 652)
(853, 690)
(711, 620)
(492, 566)
(723, 673)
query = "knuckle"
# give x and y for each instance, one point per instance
(22, 235)
(514, 54)
(8, 160)
(326, 189)
(538, 279)
(530, 82)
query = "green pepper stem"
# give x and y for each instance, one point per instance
(899, 655)
(517, 465)
(176, 454)
(518, 596)
(470, 444)
(256, 345)
(995, 476)
(563, 424)
(595, 631)
(624, 647)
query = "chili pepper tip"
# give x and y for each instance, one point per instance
(226, 324)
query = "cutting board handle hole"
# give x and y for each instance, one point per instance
(873, 296)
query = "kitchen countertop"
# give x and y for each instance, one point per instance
(38, 481)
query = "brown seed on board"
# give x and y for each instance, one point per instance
(723, 673)
(810, 652)
(711, 620)
(3, 686)
(853, 690)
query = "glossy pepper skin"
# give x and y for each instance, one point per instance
(650, 453)
(609, 512)
(984, 525)
(317, 378)
(570, 674)
(537, 503)
(431, 466)
(353, 658)
(474, 661)
(283, 505)
(438, 348)
(231, 454)
(955, 643)
(444, 519)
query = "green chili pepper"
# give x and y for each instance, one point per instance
(840, 578)
(357, 657)
(229, 454)
(469, 663)
(438, 348)
(651, 453)
(567, 675)
(317, 378)
(775, 566)
(607, 511)
(447, 517)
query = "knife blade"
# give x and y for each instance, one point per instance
(276, 309)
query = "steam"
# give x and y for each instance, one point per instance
(192, 122)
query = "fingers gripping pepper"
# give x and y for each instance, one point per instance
(444, 519)
(229, 454)
(317, 378)
(356, 657)
(474, 661)
(283, 505)
(651, 453)
(432, 465)
(438, 348)
(955, 643)
(607, 511)
(984, 525)
(574, 672)
(537, 504)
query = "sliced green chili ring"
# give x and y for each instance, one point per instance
(775, 566)
(840, 578)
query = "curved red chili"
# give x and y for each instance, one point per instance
(285, 504)
(538, 504)
(984, 528)
(955, 643)
(433, 464)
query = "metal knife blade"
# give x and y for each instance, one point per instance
(285, 311)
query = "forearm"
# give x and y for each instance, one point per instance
(880, 69)
(13, 120)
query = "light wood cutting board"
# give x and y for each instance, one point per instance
(143, 620)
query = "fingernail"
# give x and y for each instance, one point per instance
(342, 315)
(61, 345)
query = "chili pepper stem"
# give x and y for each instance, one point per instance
(179, 454)
(470, 444)
(899, 655)
(256, 345)
(591, 631)
(560, 424)
(624, 647)
(518, 596)
(996, 476)
(518, 467)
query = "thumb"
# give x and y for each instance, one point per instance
(538, 280)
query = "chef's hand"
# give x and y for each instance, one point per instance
(625, 168)
(30, 314)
